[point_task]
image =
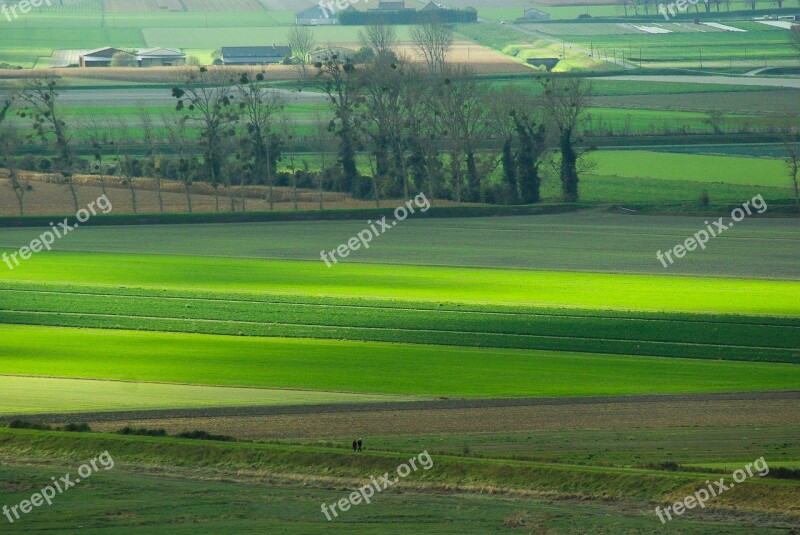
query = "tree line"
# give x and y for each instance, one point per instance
(418, 126)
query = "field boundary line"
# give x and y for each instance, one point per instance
(387, 329)
(445, 311)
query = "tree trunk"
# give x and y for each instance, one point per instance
(188, 196)
(158, 188)
(73, 193)
(569, 171)
(133, 194)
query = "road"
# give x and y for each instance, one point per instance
(793, 83)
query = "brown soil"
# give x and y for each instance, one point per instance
(462, 416)
(50, 196)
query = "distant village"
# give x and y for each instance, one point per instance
(316, 15)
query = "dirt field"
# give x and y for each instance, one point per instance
(48, 198)
(466, 416)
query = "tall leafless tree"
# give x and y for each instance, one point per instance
(301, 42)
(567, 101)
(381, 38)
(794, 37)
(150, 141)
(433, 41)
(9, 142)
(791, 142)
(40, 95)
(207, 100)
(338, 78)
(259, 106)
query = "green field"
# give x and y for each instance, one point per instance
(594, 291)
(369, 367)
(199, 500)
(48, 395)
(546, 311)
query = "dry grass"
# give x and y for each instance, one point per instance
(484, 419)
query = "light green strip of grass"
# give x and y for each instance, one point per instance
(372, 367)
(416, 283)
(34, 395)
(692, 167)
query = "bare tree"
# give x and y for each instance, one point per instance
(6, 102)
(258, 106)
(301, 41)
(338, 79)
(178, 140)
(99, 139)
(381, 121)
(791, 143)
(465, 120)
(289, 131)
(794, 37)
(567, 102)
(8, 152)
(127, 167)
(206, 99)
(123, 59)
(40, 95)
(381, 38)
(150, 142)
(433, 41)
(320, 140)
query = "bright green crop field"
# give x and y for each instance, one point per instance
(369, 367)
(416, 283)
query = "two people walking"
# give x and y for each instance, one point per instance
(357, 445)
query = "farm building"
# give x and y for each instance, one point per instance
(433, 6)
(535, 15)
(315, 16)
(160, 57)
(100, 57)
(254, 55)
(390, 6)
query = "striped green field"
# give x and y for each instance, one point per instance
(369, 367)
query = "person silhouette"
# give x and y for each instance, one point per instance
(355, 445)
(359, 444)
